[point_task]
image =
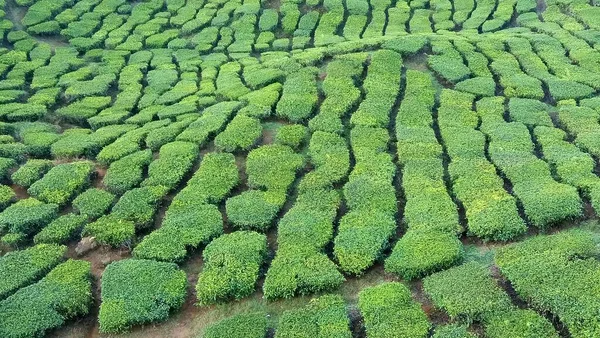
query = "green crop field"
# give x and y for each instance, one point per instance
(300, 168)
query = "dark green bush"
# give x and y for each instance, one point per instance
(139, 291)
(127, 172)
(27, 216)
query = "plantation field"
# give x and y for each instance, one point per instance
(300, 168)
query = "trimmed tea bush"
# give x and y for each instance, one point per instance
(389, 311)
(62, 229)
(325, 316)
(93, 203)
(252, 325)
(231, 266)
(31, 171)
(62, 182)
(136, 292)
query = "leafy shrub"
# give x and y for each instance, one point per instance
(293, 135)
(174, 162)
(110, 230)
(466, 292)
(420, 253)
(24, 267)
(211, 122)
(61, 229)
(253, 325)
(139, 205)
(62, 182)
(27, 216)
(93, 202)
(449, 67)
(127, 172)
(241, 134)
(519, 323)
(480, 86)
(231, 266)
(389, 310)
(139, 291)
(452, 331)
(323, 317)
(299, 96)
(31, 171)
(252, 210)
(65, 293)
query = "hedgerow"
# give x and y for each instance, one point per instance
(389, 310)
(139, 205)
(65, 293)
(93, 202)
(126, 173)
(62, 182)
(210, 123)
(381, 87)
(175, 161)
(231, 268)
(61, 230)
(252, 325)
(241, 134)
(325, 316)
(467, 292)
(139, 291)
(530, 112)
(190, 221)
(452, 331)
(27, 216)
(292, 135)
(441, 250)
(24, 267)
(539, 267)
(522, 323)
(299, 96)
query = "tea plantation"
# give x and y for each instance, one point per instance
(300, 168)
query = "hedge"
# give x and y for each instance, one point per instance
(420, 253)
(530, 112)
(299, 96)
(24, 267)
(245, 325)
(452, 331)
(556, 274)
(27, 216)
(381, 87)
(93, 202)
(241, 134)
(292, 135)
(61, 230)
(231, 267)
(65, 293)
(519, 323)
(325, 316)
(139, 291)
(174, 162)
(62, 182)
(127, 172)
(467, 292)
(189, 221)
(139, 205)
(210, 123)
(389, 310)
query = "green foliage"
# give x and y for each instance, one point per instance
(139, 291)
(389, 310)
(126, 173)
(292, 135)
(93, 203)
(61, 230)
(420, 253)
(65, 293)
(299, 96)
(27, 216)
(31, 171)
(189, 221)
(231, 267)
(139, 205)
(174, 162)
(452, 331)
(24, 267)
(62, 182)
(519, 323)
(241, 134)
(252, 325)
(556, 273)
(480, 86)
(110, 230)
(323, 317)
(466, 292)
